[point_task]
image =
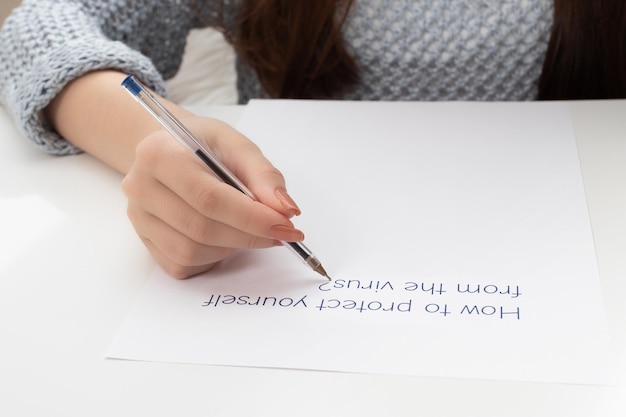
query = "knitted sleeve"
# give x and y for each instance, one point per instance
(45, 44)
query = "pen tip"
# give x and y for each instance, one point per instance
(320, 270)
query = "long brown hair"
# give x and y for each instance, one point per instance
(586, 57)
(297, 50)
(296, 46)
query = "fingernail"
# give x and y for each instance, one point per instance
(290, 206)
(285, 233)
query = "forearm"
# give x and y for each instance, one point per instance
(95, 114)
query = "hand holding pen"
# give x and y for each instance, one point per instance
(206, 217)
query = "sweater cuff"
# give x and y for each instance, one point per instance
(41, 82)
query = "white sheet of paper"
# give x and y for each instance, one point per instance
(457, 235)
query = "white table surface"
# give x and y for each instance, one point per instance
(71, 267)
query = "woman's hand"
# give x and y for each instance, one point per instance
(187, 217)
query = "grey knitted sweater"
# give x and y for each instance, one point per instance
(405, 49)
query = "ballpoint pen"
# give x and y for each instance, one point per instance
(184, 136)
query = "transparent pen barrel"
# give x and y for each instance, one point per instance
(303, 253)
(182, 134)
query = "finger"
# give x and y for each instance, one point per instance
(178, 170)
(177, 248)
(173, 269)
(247, 162)
(165, 205)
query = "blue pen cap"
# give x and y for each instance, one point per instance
(131, 85)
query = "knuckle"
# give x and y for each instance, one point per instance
(188, 263)
(139, 218)
(180, 272)
(147, 151)
(132, 215)
(130, 186)
(207, 199)
(186, 253)
(200, 229)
